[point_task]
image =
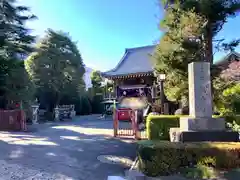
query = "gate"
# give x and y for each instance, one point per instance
(13, 120)
(124, 123)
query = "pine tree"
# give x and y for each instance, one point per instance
(15, 43)
(216, 13)
(190, 29)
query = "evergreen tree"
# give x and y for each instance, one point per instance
(15, 43)
(216, 13)
(190, 29)
(56, 68)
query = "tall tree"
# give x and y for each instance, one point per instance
(190, 28)
(176, 49)
(15, 43)
(216, 13)
(97, 91)
(56, 67)
(97, 81)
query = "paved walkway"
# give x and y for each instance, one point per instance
(82, 149)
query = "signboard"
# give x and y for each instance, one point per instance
(134, 102)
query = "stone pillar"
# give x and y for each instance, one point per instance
(35, 116)
(73, 112)
(200, 125)
(200, 100)
(56, 113)
(199, 85)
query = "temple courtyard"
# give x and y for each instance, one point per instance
(79, 149)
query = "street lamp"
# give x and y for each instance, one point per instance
(160, 80)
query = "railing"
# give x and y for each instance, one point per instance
(64, 112)
(13, 120)
(108, 96)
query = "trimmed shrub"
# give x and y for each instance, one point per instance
(164, 157)
(158, 126)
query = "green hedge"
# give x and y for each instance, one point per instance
(158, 126)
(164, 158)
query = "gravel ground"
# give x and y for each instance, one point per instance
(82, 149)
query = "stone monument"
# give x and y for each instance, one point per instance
(200, 125)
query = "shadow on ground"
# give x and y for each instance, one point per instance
(69, 150)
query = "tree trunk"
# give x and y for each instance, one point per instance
(209, 44)
(209, 53)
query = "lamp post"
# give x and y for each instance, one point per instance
(160, 80)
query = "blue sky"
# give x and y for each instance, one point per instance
(103, 29)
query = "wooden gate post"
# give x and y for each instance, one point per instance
(23, 120)
(137, 133)
(134, 124)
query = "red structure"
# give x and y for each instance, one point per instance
(14, 120)
(124, 114)
(131, 130)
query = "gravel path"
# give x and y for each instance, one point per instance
(82, 149)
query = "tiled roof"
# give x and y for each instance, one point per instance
(135, 60)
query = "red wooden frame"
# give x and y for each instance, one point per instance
(132, 130)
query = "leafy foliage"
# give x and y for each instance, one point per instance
(176, 50)
(199, 172)
(219, 85)
(158, 126)
(56, 67)
(216, 13)
(18, 85)
(190, 27)
(164, 157)
(234, 126)
(97, 92)
(232, 99)
(15, 43)
(97, 81)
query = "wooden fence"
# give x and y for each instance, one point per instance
(14, 120)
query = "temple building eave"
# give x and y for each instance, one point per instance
(126, 76)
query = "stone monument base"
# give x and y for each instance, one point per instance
(202, 129)
(213, 136)
(176, 135)
(202, 123)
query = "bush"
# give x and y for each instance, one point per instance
(199, 172)
(158, 126)
(231, 100)
(164, 157)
